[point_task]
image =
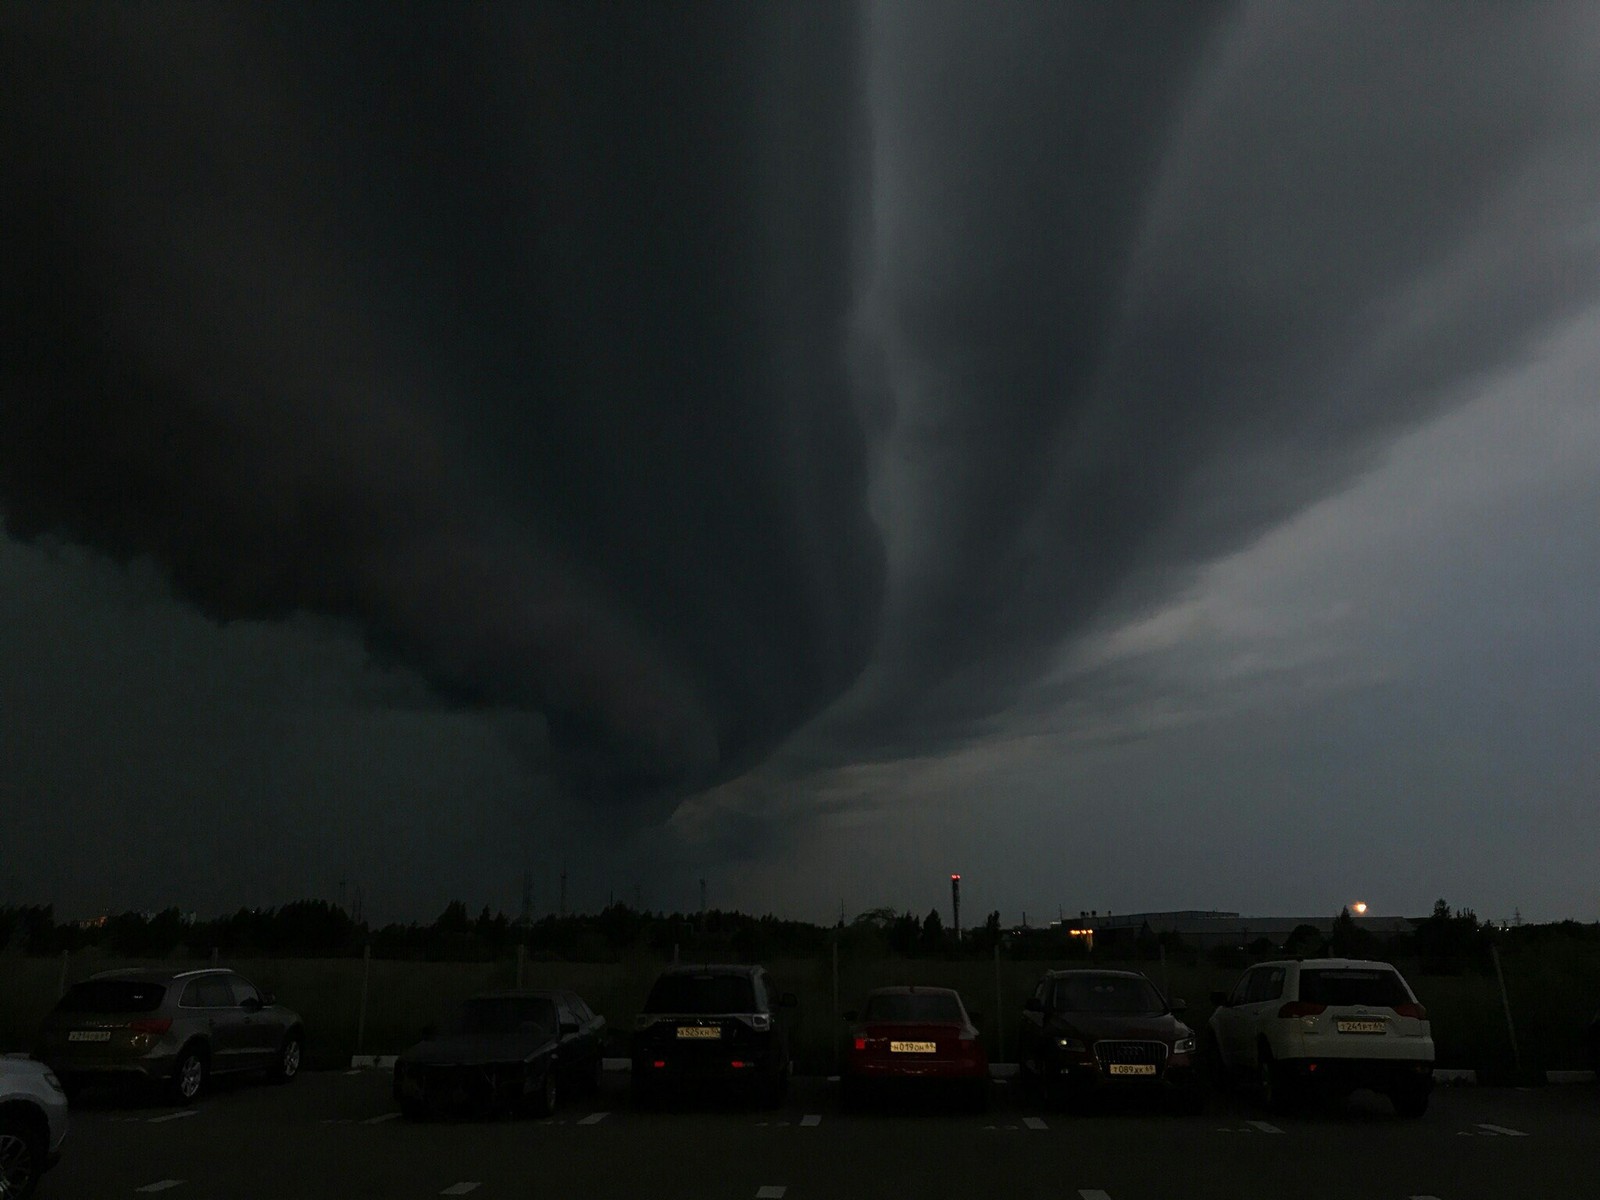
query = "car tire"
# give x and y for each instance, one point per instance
(1215, 1070)
(1277, 1092)
(189, 1074)
(545, 1096)
(22, 1156)
(286, 1063)
(1409, 1100)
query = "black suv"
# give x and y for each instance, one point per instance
(718, 1024)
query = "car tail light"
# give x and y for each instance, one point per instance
(861, 1043)
(659, 1063)
(1411, 1010)
(150, 1025)
(1302, 1008)
(737, 1063)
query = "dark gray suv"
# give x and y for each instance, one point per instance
(175, 1028)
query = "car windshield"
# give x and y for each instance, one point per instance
(1128, 995)
(896, 1006)
(701, 994)
(504, 1014)
(112, 996)
(1377, 988)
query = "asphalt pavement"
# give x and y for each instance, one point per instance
(337, 1136)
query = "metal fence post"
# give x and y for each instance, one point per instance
(366, 975)
(1505, 1003)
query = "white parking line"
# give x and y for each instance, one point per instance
(460, 1189)
(810, 1119)
(1423, 1198)
(1034, 1123)
(1265, 1126)
(381, 1118)
(1093, 1194)
(176, 1116)
(1501, 1129)
(160, 1185)
(594, 1118)
(771, 1191)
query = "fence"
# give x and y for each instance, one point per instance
(379, 1006)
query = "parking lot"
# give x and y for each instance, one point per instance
(336, 1135)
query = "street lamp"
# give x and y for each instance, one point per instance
(1359, 908)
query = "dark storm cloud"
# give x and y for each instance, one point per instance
(512, 334)
(1149, 279)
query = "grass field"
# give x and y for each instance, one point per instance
(1551, 1001)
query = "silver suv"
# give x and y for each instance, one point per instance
(33, 1121)
(170, 1027)
(1329, 1025)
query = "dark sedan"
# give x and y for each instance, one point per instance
(517, 1050)
(1091, 1032)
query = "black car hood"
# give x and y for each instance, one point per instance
(1095, 1026)
(467, 1049)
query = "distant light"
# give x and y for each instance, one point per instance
(955, 877)
(1359, 907)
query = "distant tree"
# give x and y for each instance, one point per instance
(1349, 940)
(904, 934)
(1306, 941)
(932, 936)
(453, 919)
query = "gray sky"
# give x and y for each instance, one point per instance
(1138, 457)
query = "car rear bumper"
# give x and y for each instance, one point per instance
(951, 1069)
(152, 1068)
(1379, 1074)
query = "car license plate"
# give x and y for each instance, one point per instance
(89, 1035)
(707, 1032)
(913, 1047)
(1131, 1069)
(1361, 1026)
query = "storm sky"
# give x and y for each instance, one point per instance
(1138, 456)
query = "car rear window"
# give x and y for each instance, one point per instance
(701, 994)
(504, 1014)
(912, 1007)
(112, 996)
(1376, 988)
(1129, 996)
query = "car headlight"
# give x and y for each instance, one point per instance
(1184, 1045)
(1070, 1044)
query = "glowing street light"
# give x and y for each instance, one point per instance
(1359, 908)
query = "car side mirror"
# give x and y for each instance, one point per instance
(429, 1032)
(1220, 999)
(849, 1014)
(1179, 1006)
(252, 1004)
(569, 1027)
(1032, 1004)
(788, 1000)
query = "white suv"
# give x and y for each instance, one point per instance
(33, 1120)
(1331, 1024)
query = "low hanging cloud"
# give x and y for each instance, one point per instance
(697, 376)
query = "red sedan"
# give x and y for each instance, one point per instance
(914, 1037)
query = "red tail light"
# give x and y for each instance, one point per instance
(861, 1043)
(659, 1063)
(1411, 1010)
(1302, 1008)
(150, 1025)
(736, 1064)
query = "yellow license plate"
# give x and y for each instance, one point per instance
(1361, 1026)
(89, 1035)
(913, 1047)
(709, 1032)
(1130, 1069)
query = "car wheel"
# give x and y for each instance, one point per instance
(1409, 1100)
(544, 1100)
(1211, 1064)
(22, 1148)
(287, 1063)
(189, 1075)
(1277, 1093)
